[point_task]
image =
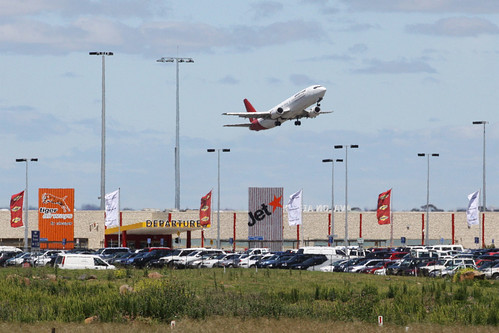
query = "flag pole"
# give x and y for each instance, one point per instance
(119, 217)
(391, 218)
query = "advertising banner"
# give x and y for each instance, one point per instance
(205, 211)
(265, 213)
(56, 217)
(383, 210)
(16, 210)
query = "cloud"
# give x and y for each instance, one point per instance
(264, 9)
(22, 35)
(358, 48)
(301, 80)
(456, 27)
(428, 6)
(229, 79)
(26, 123)
(65, 8)
(400, 66)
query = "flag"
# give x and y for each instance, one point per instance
(113, 209)
(205, 211)
(384, 210)
(294, 209)
(472, 211)
(16, 210)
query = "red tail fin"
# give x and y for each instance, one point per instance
(249, 108)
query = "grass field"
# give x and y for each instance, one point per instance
(241, 300)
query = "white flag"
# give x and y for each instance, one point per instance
(294, 208)
(472, 211)
(113, 209)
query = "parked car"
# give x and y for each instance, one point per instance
(212, 261)
(4, 256)
(376, 267)
(492, 271)
(333, 266)
(81, 261)
(44, 258)
(169, 260)
(449, 270)
(309, 263)
(183, 262)
(19, 259)
(441, 265)
(228, 261)
(143, 260)
(366, 263)
(248, 261)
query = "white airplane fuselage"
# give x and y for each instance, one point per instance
(295, 105)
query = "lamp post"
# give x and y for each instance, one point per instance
(427, 238)
(346, 186)
(103, 130)
(225, 150)
(177, 128)
(484, 201)
(332, 195)
(26, 207)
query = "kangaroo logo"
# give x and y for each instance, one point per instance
(50, 198)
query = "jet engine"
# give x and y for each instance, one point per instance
(314, 112)
(277, 113)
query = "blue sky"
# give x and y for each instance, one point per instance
(403, 77)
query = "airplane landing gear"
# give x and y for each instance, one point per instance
(277, 123)
(297, 123)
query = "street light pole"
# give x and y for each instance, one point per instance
(225, 150)
(484, 201)
(26, 207)
(177, 126)
(103, 131)
(346, 187)
(332, 195)
(427, 238)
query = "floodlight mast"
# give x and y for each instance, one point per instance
(177, 60)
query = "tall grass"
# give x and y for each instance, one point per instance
(33, 295)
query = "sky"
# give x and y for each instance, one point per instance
(403, 77)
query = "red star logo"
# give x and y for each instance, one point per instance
(276, 203)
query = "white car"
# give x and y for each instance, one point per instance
(248, 261)
(44, 258)
(19, 259)
(184, 261)
(211, 262)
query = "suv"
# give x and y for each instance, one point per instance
(444, 264)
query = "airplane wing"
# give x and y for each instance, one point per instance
(238, 125)
(310, 114)
(264, 115)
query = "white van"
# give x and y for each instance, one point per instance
(81, 261)
(334, 253)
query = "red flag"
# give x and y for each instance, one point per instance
(16, 210)
(383, 210)
(205, 211)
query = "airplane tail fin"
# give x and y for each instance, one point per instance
(249, 108)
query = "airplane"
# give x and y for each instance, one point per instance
(292, 108)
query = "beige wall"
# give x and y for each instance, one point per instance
(314, 229)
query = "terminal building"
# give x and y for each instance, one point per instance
(140, 229)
